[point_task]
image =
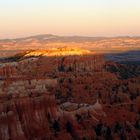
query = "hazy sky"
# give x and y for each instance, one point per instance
(69, 17)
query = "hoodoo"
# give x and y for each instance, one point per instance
(52, 94)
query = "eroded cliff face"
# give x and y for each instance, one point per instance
(26, 118)
(35, 115)
(28, 64)
(28, 107)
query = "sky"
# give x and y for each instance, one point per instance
(20, 18)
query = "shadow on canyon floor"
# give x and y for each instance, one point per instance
(129, 57)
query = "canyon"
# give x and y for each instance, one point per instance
(68, 93)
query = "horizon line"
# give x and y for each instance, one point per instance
(86, 36)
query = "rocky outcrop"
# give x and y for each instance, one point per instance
(26, 118)
(65, 51)
(43, 62)
(29, 118)
(81, 64)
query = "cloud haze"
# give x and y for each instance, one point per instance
(69, 17)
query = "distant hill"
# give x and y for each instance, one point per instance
(9, 47)
(51, 37)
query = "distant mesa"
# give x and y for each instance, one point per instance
(65, 51)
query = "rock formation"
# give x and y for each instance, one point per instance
(69, 94)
